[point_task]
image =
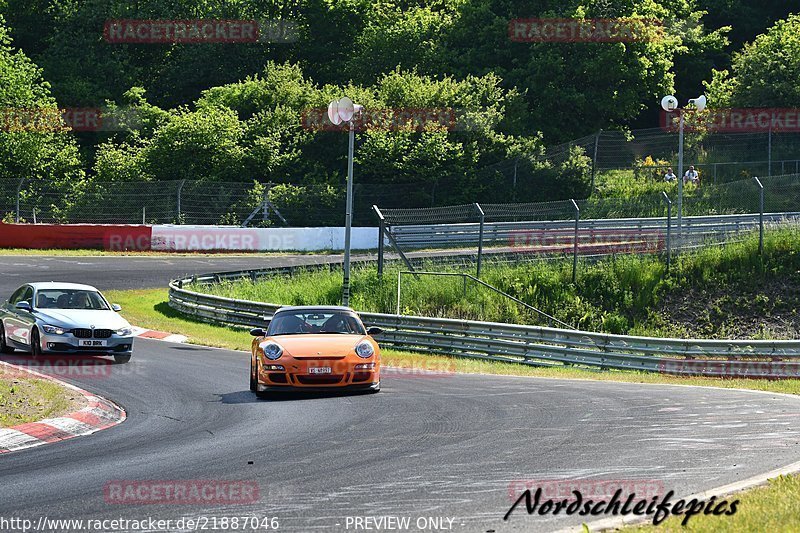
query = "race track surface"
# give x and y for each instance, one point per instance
(441, 446)
(454, 446)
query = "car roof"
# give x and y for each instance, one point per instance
(295, 308)
(58, 285)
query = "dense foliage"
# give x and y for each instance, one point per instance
(237, 112)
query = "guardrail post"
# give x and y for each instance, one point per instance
(381, 231)
(760, 216)
(480, 238)
(180, 189)
(575, 243)
(19, 191)
(669, 229)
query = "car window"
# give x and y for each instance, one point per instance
(27, 296)
(70, 299)
(300, 322)
(17, 296)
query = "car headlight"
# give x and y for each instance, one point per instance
(272, 350)
(364, 349)
(124, 332)
(54, 330)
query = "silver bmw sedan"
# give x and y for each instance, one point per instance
(64, 318)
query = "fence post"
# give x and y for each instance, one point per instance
(669, 228)
(381, 231)
(480, 238)
(575, 244)
(144, 213)
(594, 159)
(769, 150)
(715, 173)
(180, 189)
(760, 216)
(19, 191)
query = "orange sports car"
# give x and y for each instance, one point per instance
(315, 348)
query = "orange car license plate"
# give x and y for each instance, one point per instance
(319, 370)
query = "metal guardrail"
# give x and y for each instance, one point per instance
(462, 234)
(530, 345)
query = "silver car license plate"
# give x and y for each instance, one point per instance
(319, 370)
(92, 343)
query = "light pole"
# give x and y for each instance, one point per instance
(344, 110)
(669, 104)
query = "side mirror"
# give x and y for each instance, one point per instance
(23, 306)
(374, 330)
(258, 332)
(116, 307)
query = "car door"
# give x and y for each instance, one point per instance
(17, 322)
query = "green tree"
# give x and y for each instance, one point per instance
(766, 73)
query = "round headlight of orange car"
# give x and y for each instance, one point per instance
(364, 349)
(272, 350)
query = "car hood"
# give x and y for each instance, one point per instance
(82, 318)
(315, 345)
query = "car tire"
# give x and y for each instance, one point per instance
(376, 388)
(36, 344)
(4, 348)
(122, 359)
(253, 378)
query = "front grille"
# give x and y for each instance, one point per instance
(85, 333)
(319, 379)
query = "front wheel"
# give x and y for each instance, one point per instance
(122, 359)
(36, 344)
(253, 377)
(4, 348)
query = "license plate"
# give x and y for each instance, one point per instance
(92, 343)
(319, 370)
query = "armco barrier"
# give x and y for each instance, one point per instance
(530, 345)
(95, 236)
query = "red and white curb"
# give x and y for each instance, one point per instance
(99, 414)
(158, 335)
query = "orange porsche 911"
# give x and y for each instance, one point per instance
(315, 348)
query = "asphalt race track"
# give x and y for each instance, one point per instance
(427, 446)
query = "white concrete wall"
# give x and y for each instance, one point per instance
(213, 238)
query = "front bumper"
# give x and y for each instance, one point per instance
(68, 344)
(297, 374)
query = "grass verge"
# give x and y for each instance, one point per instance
(24, 400)
(774, 507)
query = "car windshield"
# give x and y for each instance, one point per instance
(309, 322)
(70, 299)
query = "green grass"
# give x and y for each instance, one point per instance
(615, 295)
(24, 400)
(775, 507)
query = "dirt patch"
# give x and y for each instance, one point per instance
(25, 400)
(756, 309)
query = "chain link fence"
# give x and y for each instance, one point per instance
(597, 227)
